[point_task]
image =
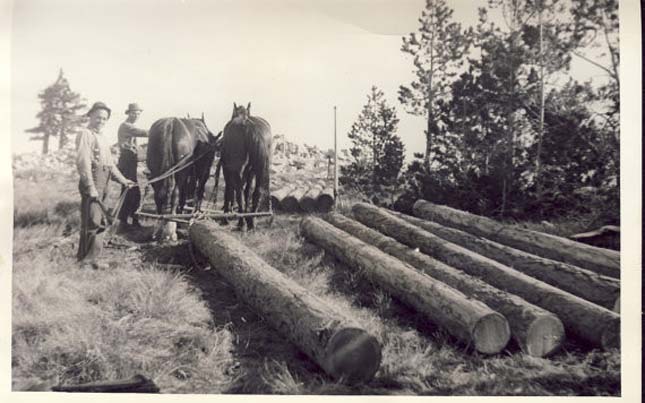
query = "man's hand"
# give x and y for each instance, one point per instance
(94, 194)
(129, 184)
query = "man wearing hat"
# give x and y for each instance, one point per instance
(128, 160)
(95, 168)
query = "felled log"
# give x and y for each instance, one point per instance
(136, 384)
(592, 323)
(330, 338)
(607, 236)
(325, 200)
(537, 331)
(602, 261)
(468, 320)
(291, 203)
(586, 284)
(279, 195)
(308, 200)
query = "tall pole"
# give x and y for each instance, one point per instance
(335, 161)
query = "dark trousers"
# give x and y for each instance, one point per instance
(93, 222)
(128, 167)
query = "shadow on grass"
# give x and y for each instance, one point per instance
(258, 348)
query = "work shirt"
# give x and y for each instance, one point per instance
(128, 134)
(93, 153)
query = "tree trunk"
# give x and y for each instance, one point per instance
(592, 323)
(468, 320)
(45, 144)
(325, 200)
(537, 332)
(586, 284)
(62, 139)
(333, 340)
(308, 200)
(279, 195)
(291, 203)
(602, 261)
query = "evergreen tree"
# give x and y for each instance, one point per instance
(438, 49)
(377, 152)
(58, 116)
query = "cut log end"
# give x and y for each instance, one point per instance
(353, 354)
(324, 203)
(545, 336)
(491, 333)
(610, 337)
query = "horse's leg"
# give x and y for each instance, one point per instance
(247, 182)
(179, 193)
(257, 187)
(238, 198)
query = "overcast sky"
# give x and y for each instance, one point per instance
(292, 59)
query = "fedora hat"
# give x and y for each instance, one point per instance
(133, 107)
(97, 106)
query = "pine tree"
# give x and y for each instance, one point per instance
(438, 50)
(377, 152)
(58, 116)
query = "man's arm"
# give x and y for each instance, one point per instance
(130, 130)
(84, 162)
(118, 176)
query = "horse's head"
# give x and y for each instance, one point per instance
(240, 112)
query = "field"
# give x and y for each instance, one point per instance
(161, 311)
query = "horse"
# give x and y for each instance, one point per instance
(246, 160)
(188, 147)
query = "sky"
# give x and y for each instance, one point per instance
(294, 60)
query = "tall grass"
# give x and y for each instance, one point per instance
(72, 325)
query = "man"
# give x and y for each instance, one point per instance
(95, 168)
(128, 160)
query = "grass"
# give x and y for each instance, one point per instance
(164, 312)
(73, 326)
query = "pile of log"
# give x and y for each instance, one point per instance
(315, 195)
(451, 265)
(329, 337)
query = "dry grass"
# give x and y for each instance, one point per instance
(72, 325)
(168, 315)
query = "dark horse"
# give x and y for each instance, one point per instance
(186, 142)
(246, 160)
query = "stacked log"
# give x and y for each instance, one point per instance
(308, 200)
(592, 323)
(291, 203)
(586, 284)
(325, 200)
(333, 340)
(537, 331)
(599, 260)
(279, 195)
(468, 320)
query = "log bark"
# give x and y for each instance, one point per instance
(279, 195)
(594, 287)
(537, 331)
(330, 338)
(592, 323)
(308, 200)
(325, 200)
(599, 260)
(468, 320)
(291, 203)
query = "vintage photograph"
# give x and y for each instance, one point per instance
(308, 197)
